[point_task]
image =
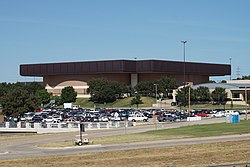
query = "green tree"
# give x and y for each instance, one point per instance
(4, 87)
(32, 87)
(145, 88)
(202, 94)
(166, 85)
(68, 95)
(43, 96)
(136, 100)
(219, 95)
(57, 99)
(184, 100)
(18, 101)
(105, 91)
(245, 77)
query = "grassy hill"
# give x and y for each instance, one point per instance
(148, 102)
(121, 103)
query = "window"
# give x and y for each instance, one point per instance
(236, 95)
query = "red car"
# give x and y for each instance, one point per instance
(201, 115)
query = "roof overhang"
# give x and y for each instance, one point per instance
(124, 66)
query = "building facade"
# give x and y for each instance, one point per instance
(56, 76)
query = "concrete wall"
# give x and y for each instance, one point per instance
(54, 84)
(196, 79)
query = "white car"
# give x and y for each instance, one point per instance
(49, 119)
(137, 117)
(219, 114)
(104, 119)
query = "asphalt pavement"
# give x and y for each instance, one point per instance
(25, 147)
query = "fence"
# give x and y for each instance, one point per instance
(60, 127)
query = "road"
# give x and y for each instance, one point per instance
(25, 147)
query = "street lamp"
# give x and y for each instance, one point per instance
(184, 70)
(156, 92)
(230, 59)
(246, 101)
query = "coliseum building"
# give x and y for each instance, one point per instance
(56, 76)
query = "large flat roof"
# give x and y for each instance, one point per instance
(232, 86)
(124, 66)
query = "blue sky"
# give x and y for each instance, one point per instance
(45, 31)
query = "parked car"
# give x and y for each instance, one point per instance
(37, 118)
(166, 117)
(201, 115)
(137, 117)
(242, 112)
(219, 114)
(49, 119)
(104, 119)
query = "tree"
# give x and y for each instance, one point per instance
(105, 91)
(57, 100)
(165, 85)
(136, 100)
(43, 96)
(32, 87)
(202, 94)
(245, 77)
(219, 95)
(145, 88)
(68, 95)
(18, 101)
(180, 95)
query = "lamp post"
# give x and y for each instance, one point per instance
(156, 92)
(246, 100)
(184, 70)
(230, 59)
(189, 99)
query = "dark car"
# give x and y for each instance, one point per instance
(37, 119)
(167, 117)
(89, 119)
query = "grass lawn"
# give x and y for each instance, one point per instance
(217, 129)
(148, 103)
(121, 103)
(187, 155)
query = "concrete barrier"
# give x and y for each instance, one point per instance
(61, 127)
(189, 119)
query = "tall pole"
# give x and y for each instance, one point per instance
(189, 99)
(231, 68)
(156, 92)
(184, 70)
(246, 100)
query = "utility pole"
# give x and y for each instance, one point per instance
(230, 67)
(184, 70)
(246, 101)
(189, 98)
(156, 92)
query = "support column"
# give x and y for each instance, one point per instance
(134, 79)
(7, 125)
(19, 125)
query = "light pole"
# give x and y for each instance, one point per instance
(246, 101)
(189, 98)
(156, 92)
(230, 59)
(184, 70)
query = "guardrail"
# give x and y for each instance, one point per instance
(60, 127)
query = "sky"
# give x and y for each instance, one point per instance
(47, 31)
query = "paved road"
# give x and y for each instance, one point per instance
(26, 147)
